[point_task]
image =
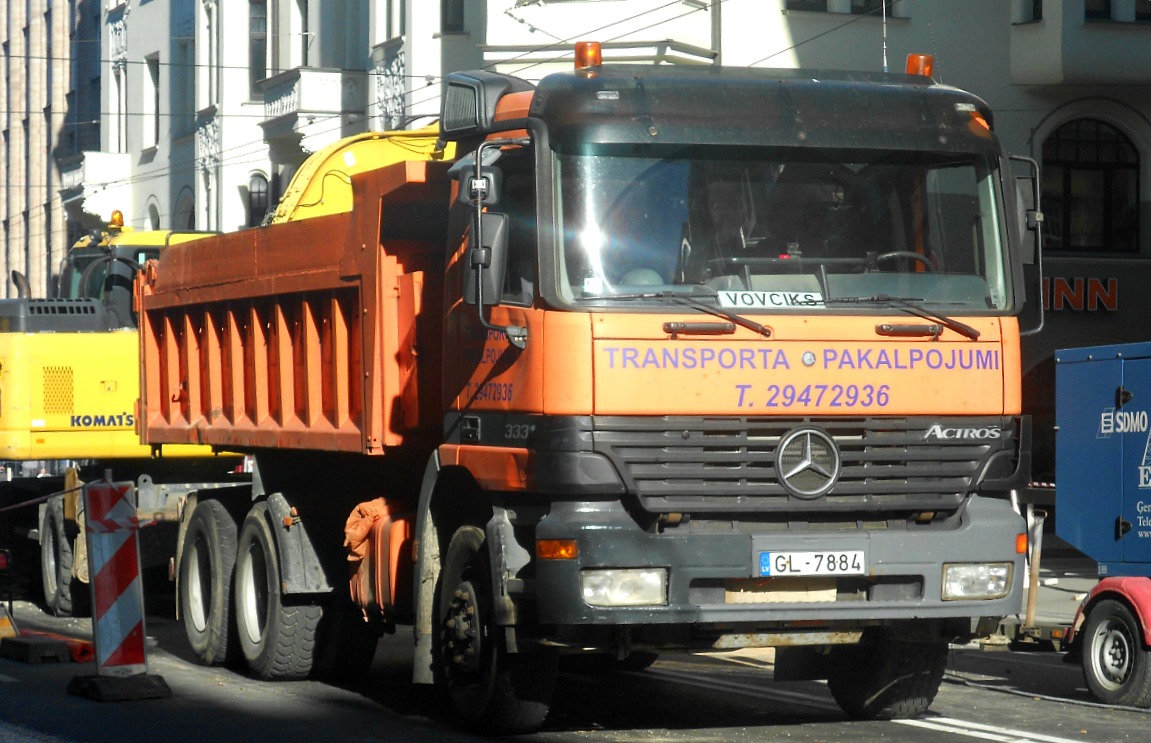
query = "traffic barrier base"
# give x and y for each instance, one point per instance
(120, 688)
(34, 650)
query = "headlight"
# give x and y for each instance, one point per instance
(627, 587)
(987, 580)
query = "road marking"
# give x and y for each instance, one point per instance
(7, 679)
(984, 732)
(940, 724)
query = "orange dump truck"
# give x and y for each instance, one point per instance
(644, 360)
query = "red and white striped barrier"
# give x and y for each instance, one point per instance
(117, 593)
(112, 530)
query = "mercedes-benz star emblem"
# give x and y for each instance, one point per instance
(807, 462)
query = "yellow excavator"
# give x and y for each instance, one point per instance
(69, 382)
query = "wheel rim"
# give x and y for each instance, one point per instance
(50, 560)
(252, 593)
(197, 604)
(463, 640)
(1111, 658)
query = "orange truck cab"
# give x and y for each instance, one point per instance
(716, 358)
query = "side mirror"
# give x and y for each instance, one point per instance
(1030, 230)
(488, 260)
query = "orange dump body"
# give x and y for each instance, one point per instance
(303, 334)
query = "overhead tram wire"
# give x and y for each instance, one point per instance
(191, 165)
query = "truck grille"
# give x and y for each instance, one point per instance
(694, 464)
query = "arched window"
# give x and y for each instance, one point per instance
(1090, 189)
(153, 217)
(185, 211)
(257, 200)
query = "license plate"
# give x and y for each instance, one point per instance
(841, 562)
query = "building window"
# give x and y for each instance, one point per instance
(1143, 10)
(185, 211)
(182, 77)
(863, 7)
(151, 102)
(817, 6)
(1095, 10)
(1036, 10)
(397, 19)
(1091, 189)
(452, 16)
(120, 108)
(257, 200)
(257, 46)
(305, 31)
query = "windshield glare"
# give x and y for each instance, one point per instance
(778, 230)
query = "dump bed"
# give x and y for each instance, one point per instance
(302, 335)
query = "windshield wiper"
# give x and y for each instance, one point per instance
(907, 304)
(691, 300)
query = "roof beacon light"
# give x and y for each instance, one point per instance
(588, 54)
(920, 64)
(117, 220)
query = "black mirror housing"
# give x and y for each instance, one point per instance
(489, 259)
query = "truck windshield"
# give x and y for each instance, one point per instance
(779, 229)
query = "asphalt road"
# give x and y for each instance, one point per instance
(987, 695)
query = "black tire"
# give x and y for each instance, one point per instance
(56, 563)
(277, 639)
(486, 687)
(207, 560)
(638, 661)
(890, 680)
(1116, 664)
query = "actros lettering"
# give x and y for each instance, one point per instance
(940, 433)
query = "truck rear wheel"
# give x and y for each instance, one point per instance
(207, 560)
(890, 680)
(487, 687)
(56, 562)
(1116, 665)
(277, 639)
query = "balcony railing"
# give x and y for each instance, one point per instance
(92, 184)
(307, 92)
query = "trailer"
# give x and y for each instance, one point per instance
(1103, 497)
(655, 360)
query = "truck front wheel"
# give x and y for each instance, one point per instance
(487, 687)
(889, 680)
(207, 560)
(278, 639)
(1116, 666)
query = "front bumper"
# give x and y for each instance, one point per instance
(713, 570)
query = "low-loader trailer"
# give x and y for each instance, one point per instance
(645, 359)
